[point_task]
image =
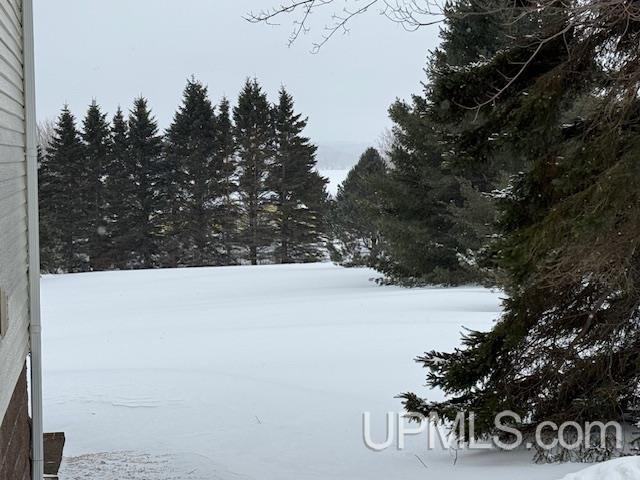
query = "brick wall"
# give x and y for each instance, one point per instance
(15, 435)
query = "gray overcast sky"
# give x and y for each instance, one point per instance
(114, 50)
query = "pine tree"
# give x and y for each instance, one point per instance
(470, 36)
(50, 240)
(121, 192)
(430, 219)
(227, 210)
(300, 196)
(190, 145)
(356, 212)
(475, 218)
(97, 139)
(254, 143)
(150, 176)
(439, 213)
(420, 242)
(62, 182)
(567, 346)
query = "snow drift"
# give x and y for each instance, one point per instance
(627, 468)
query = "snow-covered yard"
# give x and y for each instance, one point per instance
(250, 373)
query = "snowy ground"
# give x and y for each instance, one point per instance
(250, 373)
(619, 469)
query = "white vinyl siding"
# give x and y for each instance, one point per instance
(14, 343)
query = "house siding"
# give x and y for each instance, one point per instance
(14, 281)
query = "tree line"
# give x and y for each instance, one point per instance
(222, 186)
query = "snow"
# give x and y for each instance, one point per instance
(251, 373)
(627, 468)
(335, 177)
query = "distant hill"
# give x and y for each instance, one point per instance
(340, 155)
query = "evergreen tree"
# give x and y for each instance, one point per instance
(300, 197)
(50, 240)
(567, 346)
(471, 36)
(62, 173)
(190, 145)
(150, 176)
(227, 208)
(121, 192)
(356, 212)
(97, 139)
(474, 219)
(420, 242)
(254, 144)
(437, 215)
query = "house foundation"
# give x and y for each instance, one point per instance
(15, 435)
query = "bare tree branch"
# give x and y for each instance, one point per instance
(46, 132)
(411, 14)
(584, 18)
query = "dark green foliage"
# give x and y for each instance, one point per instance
(254, 148)
(567, 347)
(62, 174)
(421, 243)
(356, 212)
(300, 198)
(121, 193)
(189, 149)
(97, 147)
(474, 32)
(210, 192)
(436, 213)
(153, 179)
(227, 209)
(50, 252)
(474, 219)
